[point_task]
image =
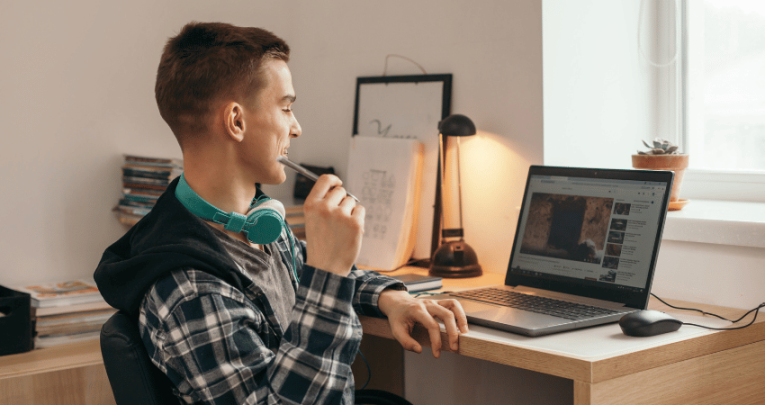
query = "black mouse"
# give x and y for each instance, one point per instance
(648, 323)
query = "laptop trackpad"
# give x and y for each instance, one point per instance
(508, 316)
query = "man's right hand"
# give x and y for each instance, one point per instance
(334, 226)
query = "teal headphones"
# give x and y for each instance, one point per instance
(262, 225)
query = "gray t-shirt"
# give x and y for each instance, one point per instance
(266, 270)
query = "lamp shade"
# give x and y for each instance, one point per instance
(456, 125)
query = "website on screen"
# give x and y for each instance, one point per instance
(591, 229)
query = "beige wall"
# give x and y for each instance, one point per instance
(76, 92)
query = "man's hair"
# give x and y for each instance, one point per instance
(206, 62)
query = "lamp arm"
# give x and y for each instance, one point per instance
(459, 183)
(442, 179)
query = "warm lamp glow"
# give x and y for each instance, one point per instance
(493, 180)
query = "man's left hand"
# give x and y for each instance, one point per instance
(404, 312)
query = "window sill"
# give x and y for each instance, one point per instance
(718, 222)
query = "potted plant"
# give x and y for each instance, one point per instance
(663, 155)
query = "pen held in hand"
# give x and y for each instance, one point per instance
(305, 172)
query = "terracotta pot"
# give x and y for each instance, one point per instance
(675, 163)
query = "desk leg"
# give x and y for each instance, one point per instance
(733, 376)
(582, 393)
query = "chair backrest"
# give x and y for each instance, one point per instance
(136, 381)
(133, 377)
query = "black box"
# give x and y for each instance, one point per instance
(303, 185)
(16, 323)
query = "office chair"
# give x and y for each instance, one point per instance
(133, 377)
(136, 381)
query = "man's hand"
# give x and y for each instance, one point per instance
(403, 312)
(334, 225)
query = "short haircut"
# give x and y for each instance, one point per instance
(206, 62)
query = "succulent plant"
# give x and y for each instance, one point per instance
(660, 147)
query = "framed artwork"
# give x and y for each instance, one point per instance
(408, 107)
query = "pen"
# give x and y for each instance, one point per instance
(305, 172)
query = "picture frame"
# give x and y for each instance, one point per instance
(409, 106)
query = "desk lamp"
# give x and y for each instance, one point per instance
(454, 258)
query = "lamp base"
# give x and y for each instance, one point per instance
(455, 260)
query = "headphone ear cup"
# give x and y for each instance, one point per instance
(268, 227)
(269, 222)
(275, 205)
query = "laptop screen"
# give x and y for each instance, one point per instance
(590, 232)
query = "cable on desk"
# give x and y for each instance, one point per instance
(755, 310)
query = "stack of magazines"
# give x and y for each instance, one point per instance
(296, 219)
(144, 179)
(67, 311)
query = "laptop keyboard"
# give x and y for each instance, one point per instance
(535, 303)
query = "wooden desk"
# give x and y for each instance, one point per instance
(707, 368)
(711, 368)
(67, 374)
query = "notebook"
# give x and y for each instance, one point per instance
(584, 252)
(385, 174)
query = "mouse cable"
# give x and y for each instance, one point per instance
(755, 310)
(369, 370)
(703, 312)
(733, 327)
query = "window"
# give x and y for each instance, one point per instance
(618, 72)
(724, 98)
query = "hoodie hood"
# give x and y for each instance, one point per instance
(169, 238)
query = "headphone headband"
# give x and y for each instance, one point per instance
(262, 225)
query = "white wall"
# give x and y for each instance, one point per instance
(76, 92)
(723, 275)
(493, 49)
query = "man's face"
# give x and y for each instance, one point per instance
(270, 124)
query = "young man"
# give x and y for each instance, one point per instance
(228, 319)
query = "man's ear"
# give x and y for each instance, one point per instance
(233, 121)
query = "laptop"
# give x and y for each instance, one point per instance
(584, 253)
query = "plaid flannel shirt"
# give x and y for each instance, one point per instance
(219, 345)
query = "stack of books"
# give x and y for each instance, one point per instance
(296, 219)
(417, 282)
(67, 312)
(144, 179)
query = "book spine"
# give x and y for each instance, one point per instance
(139, 199)
(150, 161)
(142, 192)
(127, 202)
(162, 175)
(147, 186)
(133, 210)
(146, 181)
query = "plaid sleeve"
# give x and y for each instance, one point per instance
(369, 285)
(210, 346)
